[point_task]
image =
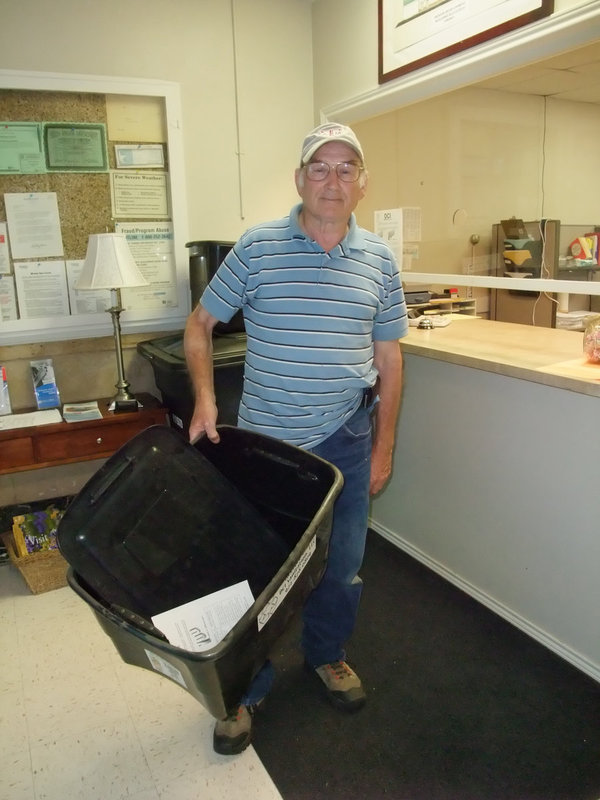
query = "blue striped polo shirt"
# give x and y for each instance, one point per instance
(311, 318)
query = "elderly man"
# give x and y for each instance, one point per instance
(323, 308)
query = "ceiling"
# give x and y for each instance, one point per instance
(571, 76)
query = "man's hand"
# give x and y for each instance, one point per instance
(388, 361)
(381, 469)
(204, 422)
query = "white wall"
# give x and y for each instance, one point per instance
(191, 42)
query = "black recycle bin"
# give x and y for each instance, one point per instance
(164, 522)
(167, 357)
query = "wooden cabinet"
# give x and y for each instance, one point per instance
(68, 442)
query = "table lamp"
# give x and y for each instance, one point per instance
(109, 264)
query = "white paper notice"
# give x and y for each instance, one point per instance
(8, 299)
(42, 289)
(411, 219)
(139, 155)
(388, 225)
(151, 244)
(137, 195)
(34, 225)
(88, 301)
(4, 259)
(203, 623)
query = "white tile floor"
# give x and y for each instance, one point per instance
(77, 722)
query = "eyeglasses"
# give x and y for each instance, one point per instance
(345, 170)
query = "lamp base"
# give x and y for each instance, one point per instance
(122, 406)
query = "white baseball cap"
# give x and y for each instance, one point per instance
(329, 132)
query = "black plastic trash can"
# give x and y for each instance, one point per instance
(166, 355)
(164, 522)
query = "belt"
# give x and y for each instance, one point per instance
(368, 397)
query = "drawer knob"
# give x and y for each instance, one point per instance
(99, 440)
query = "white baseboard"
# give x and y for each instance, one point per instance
(566, 653)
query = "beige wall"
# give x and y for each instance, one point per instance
(345, 62)
(572, 136)
(85, 369)
(472, 157)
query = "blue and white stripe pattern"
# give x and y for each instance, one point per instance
(311, 318)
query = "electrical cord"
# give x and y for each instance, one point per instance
(544, 271)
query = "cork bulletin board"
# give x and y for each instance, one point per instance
(131, 113)
(83, 198)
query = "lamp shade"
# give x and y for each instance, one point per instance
(109, 264)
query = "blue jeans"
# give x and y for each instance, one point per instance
(329, 614)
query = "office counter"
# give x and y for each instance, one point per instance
(544, 355)
(494, 484)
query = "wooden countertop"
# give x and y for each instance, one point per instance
(550, 356)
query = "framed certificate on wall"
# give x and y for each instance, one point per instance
(415, 33)
(75, 147)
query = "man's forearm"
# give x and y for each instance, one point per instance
(388, 361)
(390, 392)
(387, 413)
(197, 344)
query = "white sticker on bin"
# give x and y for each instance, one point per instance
(273, 604)
(163, 666)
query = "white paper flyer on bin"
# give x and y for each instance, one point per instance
(201, 624)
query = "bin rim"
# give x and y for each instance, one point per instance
(214, 653)
(252, 614)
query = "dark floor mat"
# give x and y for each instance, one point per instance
(461, 705)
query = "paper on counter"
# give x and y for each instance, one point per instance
(30, 419)
(201, 624)
(79, 412)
